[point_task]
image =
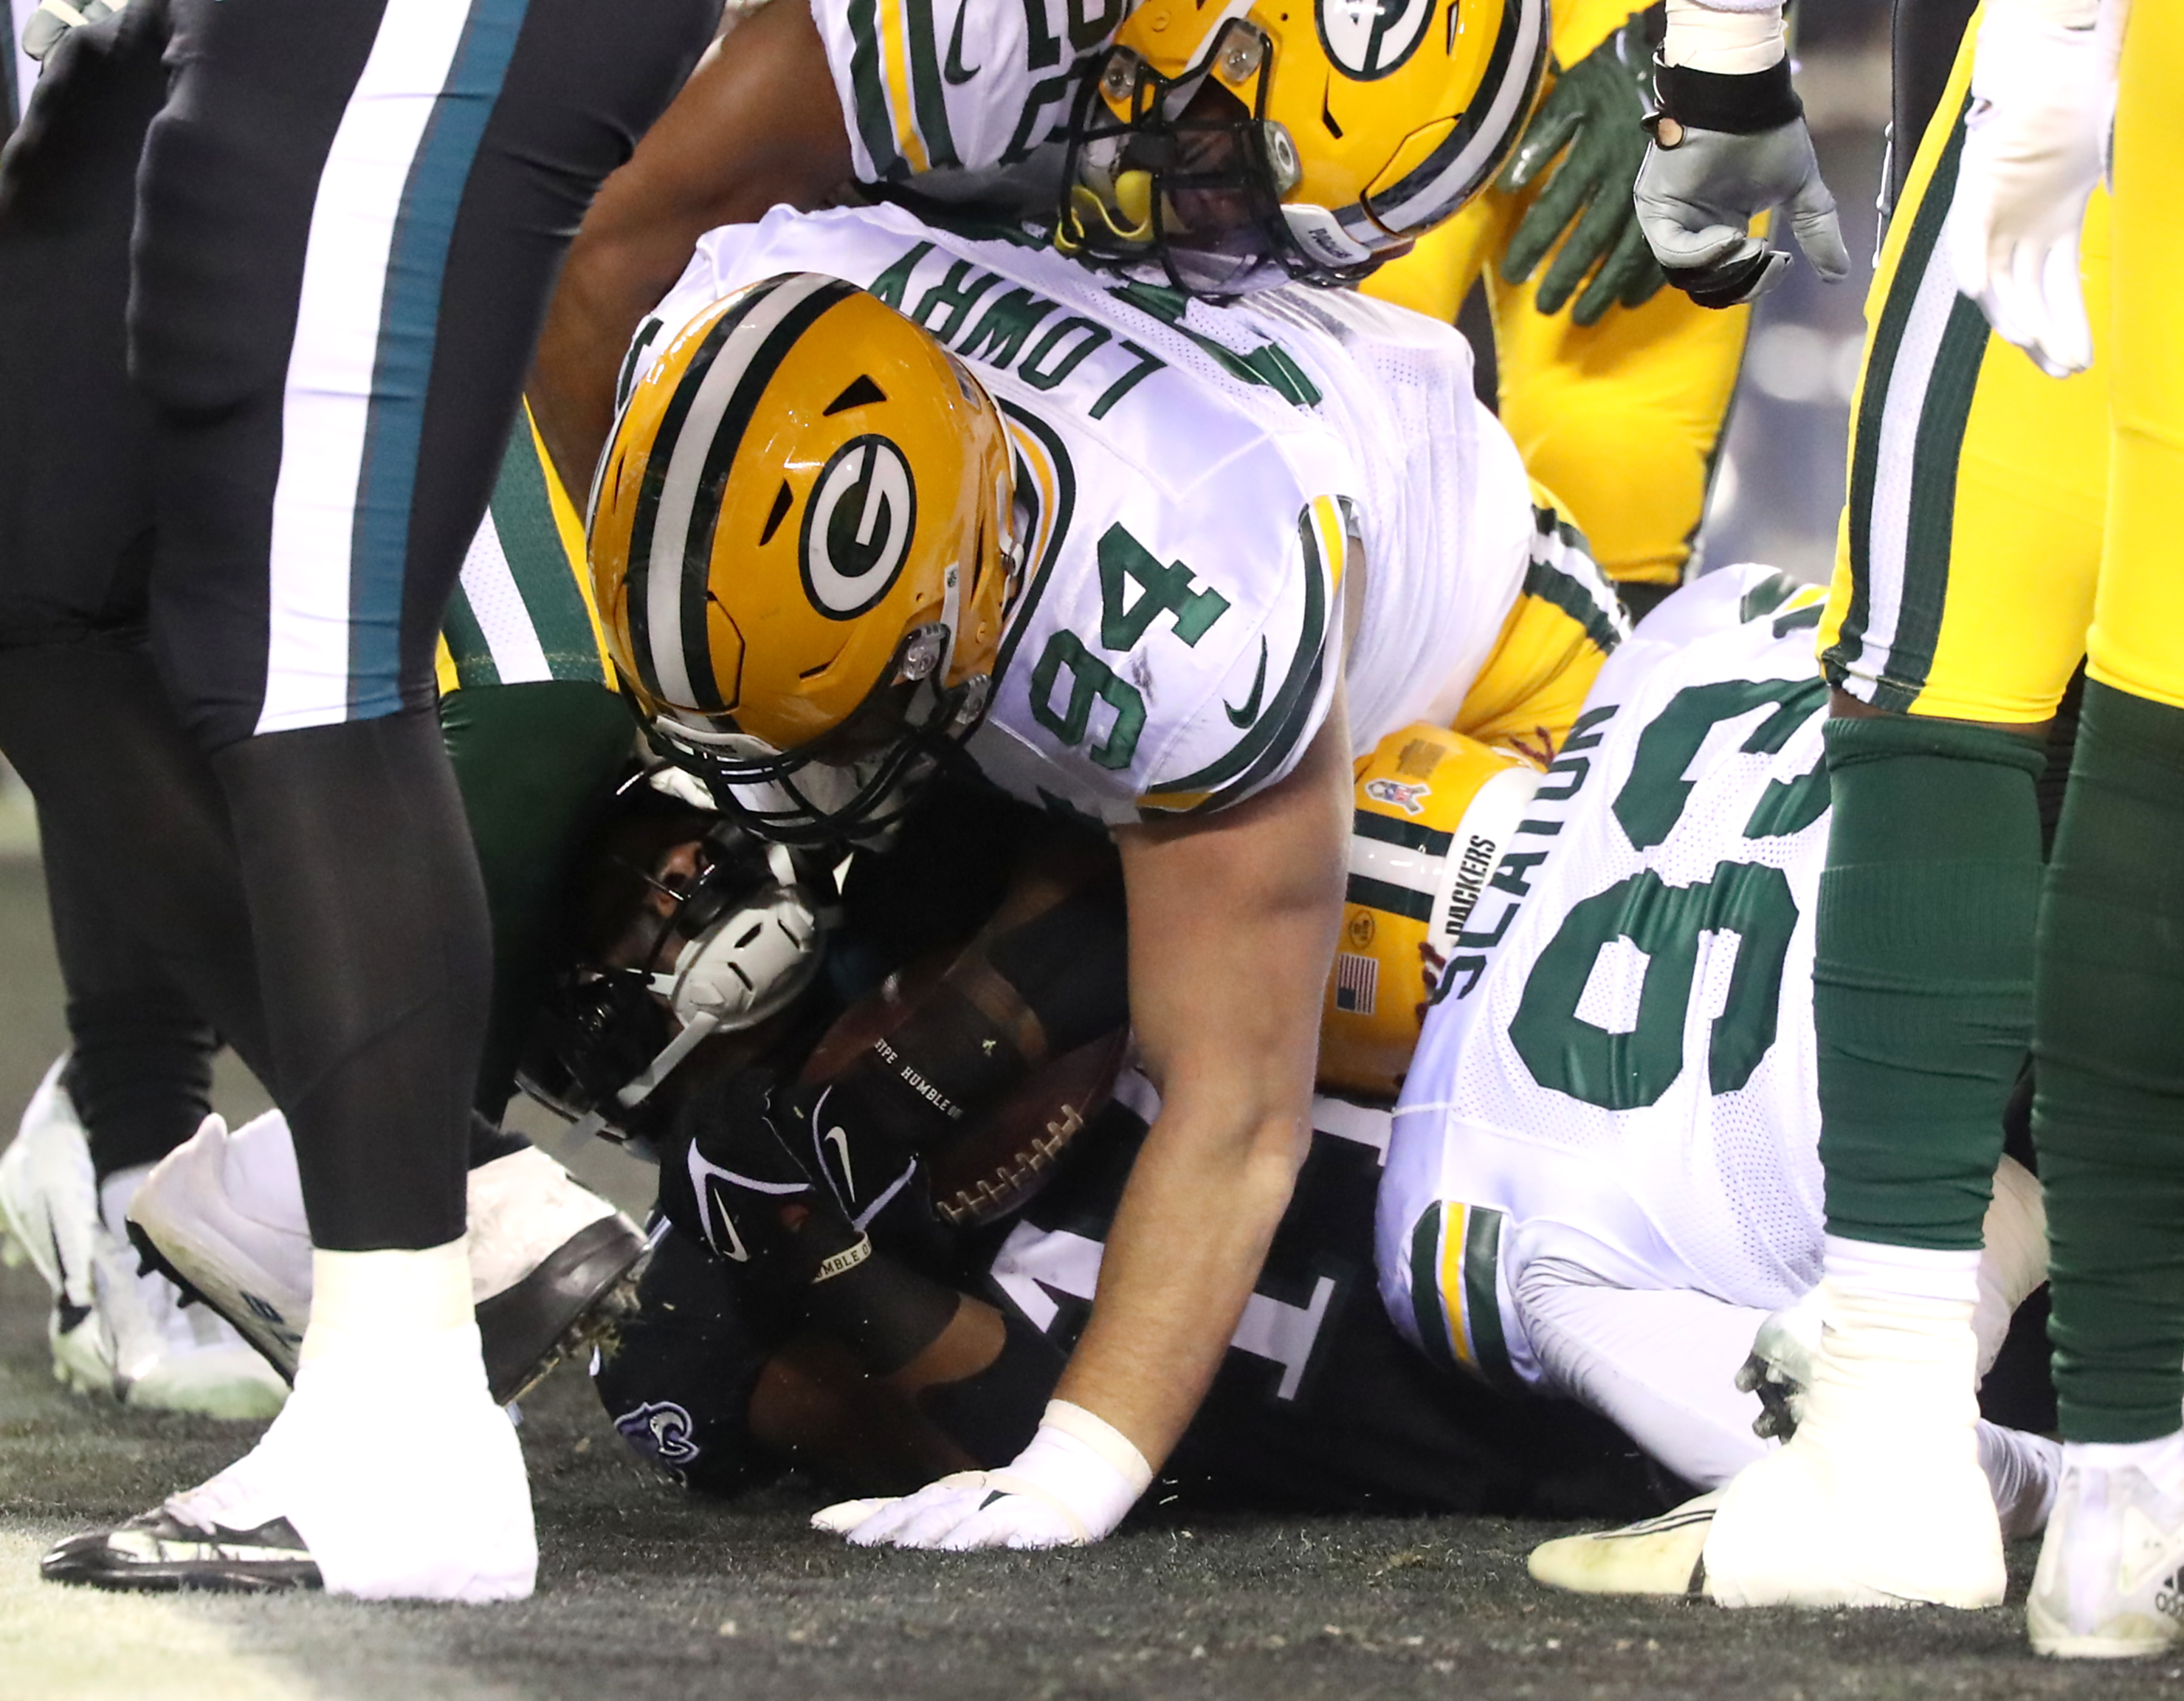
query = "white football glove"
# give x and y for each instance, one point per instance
(2044, 99)
(1070, 1488)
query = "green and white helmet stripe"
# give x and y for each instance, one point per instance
(1474, 149)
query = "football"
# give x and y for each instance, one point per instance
(996, 1164)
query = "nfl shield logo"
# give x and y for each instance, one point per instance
(1408, 795)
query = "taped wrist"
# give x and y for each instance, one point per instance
(885, 1312)
(994, 1414)
(1729, 39)
(1746, 104)
(1080, 1464)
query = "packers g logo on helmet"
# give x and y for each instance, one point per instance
(1236, 142)
(1370, 38)
(858, 526)
(801, 548)
(1435, 811)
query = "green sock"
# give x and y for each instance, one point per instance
(536, 762)
(2109, 1113)
(1922, 975)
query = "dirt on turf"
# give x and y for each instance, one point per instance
(645, 1592)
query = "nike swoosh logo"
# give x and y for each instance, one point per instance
(727, 1242)
(66, 1311)
(840, 1139)
(1249, 712)
(953, 71)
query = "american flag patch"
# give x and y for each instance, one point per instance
(1356, 982)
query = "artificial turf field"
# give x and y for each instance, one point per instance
(645, 1592)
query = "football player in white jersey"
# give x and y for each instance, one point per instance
(1124, 543)
(1603, 1176)
(1238, 145)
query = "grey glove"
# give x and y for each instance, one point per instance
(55, 18)
(1725, 149)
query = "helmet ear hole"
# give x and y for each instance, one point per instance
(776, 514)
(862, 393)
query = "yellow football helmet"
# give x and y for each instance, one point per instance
(1435, 811)
(1235, 142)
(799, 542)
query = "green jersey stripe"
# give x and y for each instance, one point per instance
(1552, 584)
(1427, 1313)
(466, 645)
(1931, 523)
(523, 517)
(1919, 253)
(926, 94)
(869, 85)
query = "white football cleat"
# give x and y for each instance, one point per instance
(553, 1265)
(1879, 1498)
(2110, 1582)
(1655, 1556)
(114, 1330)
(391, 1474)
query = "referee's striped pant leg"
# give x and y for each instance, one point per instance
(1970, 534)
(350, 218)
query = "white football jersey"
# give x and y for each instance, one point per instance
(1194, 484)
(1618, 1067)
(969, 96)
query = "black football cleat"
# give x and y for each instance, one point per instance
(158, 1551)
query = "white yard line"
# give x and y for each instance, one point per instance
(60, 1644)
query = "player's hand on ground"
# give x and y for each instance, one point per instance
(2043, 101)
(1726, 149)
(1585, 145)
(973, 1509)
(1070, 1486)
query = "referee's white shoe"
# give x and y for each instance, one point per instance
(553, 1265)
(114, 1329)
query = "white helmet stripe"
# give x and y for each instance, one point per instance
(678, 495)
(1431, 193)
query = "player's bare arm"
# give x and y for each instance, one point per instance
(1231, 929)
(757, 126)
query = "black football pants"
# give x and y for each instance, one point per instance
(272, 274)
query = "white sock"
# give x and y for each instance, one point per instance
(2161, 1459)
(366, 1301)
(2023, 1471)
(1872, 1269)
(114, 1194)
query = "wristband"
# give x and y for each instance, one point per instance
(1747, 105)
(843, 1261)
(1082, 1466)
